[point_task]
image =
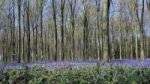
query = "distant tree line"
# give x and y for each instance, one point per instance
(38, 30)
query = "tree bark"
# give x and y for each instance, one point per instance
(106, 40)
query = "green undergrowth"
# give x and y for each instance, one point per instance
(86, 75)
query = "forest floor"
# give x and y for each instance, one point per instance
(78, 64)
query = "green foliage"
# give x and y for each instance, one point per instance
(86, 75)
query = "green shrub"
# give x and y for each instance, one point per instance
(86, 75)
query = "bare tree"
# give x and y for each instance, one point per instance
(142, 32)
(62, 29)
(55, 26)
(28, 30)
(72, 4)
(106, 39)
(19, 28)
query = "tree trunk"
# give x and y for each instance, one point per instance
(19, 34)
(142, 33)
(28, 32)
(106, 41)
(55, 26)
(62, 29)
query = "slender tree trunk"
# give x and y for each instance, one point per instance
(28, 32)
(142, 32)
(98, 29)
(62, 29)
(13, 30)
(23, 39)
(19, 34)
(55, 26)
(85, 33)
(72, 11)
(41, 26)
(106, 43)
(4, 46)
(136, 20)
